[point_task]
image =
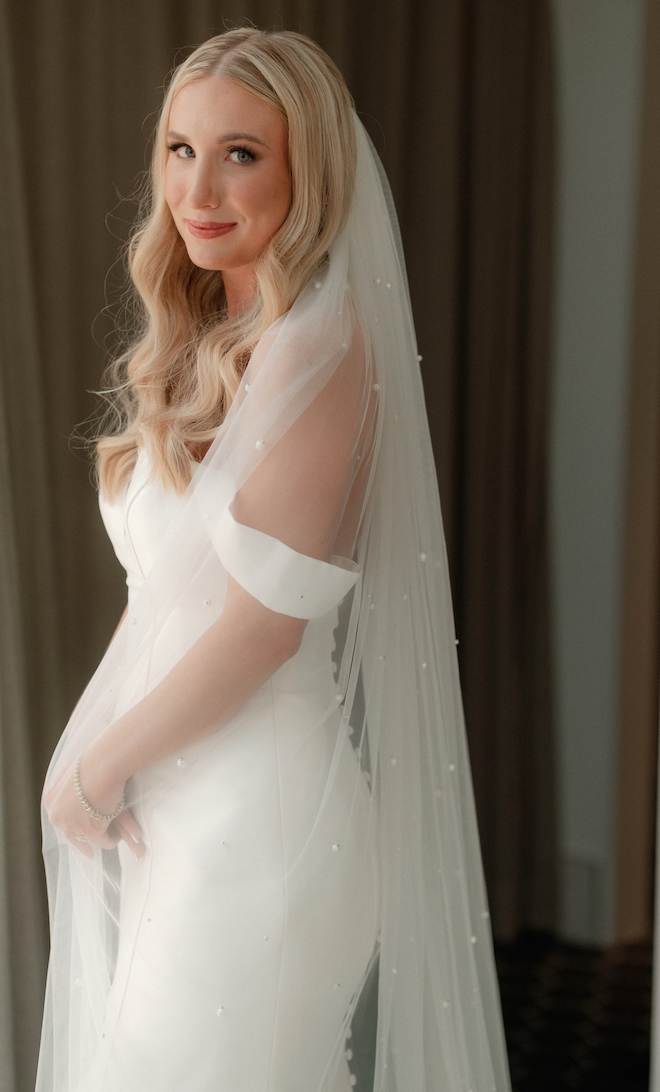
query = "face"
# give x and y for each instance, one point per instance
(227, 180)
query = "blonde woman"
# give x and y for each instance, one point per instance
(259, 820)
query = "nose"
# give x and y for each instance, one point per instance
(204, 189)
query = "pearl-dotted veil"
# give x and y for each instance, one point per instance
(428, 1016)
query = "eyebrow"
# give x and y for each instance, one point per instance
(223, 139)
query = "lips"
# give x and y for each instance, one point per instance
(208, 229)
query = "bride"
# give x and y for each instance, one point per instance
(259, 832)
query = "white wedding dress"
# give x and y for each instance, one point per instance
(246, 930)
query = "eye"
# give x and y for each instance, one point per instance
(241, 155)
(182, 151)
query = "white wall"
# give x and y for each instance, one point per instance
(598, 45)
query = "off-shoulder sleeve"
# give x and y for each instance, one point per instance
(281, 578)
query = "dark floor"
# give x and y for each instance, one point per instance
(576, 1018)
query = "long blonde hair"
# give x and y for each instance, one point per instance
(172, 387)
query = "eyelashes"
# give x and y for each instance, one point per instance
(233, 150)
(176, 146)
(245, 151)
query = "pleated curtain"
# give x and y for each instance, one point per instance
(30, 695)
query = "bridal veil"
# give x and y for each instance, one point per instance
(429, 993)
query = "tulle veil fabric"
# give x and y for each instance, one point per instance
(436, 1006)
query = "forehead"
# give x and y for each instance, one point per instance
(217, 105)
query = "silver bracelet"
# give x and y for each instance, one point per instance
(85, 802)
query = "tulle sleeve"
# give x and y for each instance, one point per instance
(288, 533)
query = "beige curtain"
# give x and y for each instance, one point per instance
(29, 678)
(640, 637)
(498, 521)
(457, 97)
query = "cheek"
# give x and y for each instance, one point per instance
(274, 200)
(284, 198)
(172, 190)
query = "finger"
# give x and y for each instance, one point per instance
(131, 833)
(127, 822)
(104, 839)
(77, 843)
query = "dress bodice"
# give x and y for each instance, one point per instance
(279, 577)
(136, 522)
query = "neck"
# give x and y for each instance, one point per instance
(239, 288)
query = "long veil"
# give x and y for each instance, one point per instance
(430, 991)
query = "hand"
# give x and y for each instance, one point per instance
(66, 811)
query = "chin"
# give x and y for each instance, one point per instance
(205, 261)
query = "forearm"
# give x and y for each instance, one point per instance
(201, 693)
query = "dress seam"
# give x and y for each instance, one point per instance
(285, 886)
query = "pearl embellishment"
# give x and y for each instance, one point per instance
(422, 557)
(336, 847)
(259, 445)
(180, 761)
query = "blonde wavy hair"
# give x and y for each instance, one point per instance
(171, 388)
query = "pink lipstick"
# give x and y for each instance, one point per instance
(208, 229)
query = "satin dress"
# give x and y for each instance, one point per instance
(245, 932)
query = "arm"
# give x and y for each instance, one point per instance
(209, 684)
(297, 495)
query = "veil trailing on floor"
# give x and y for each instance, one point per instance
(338, 374)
